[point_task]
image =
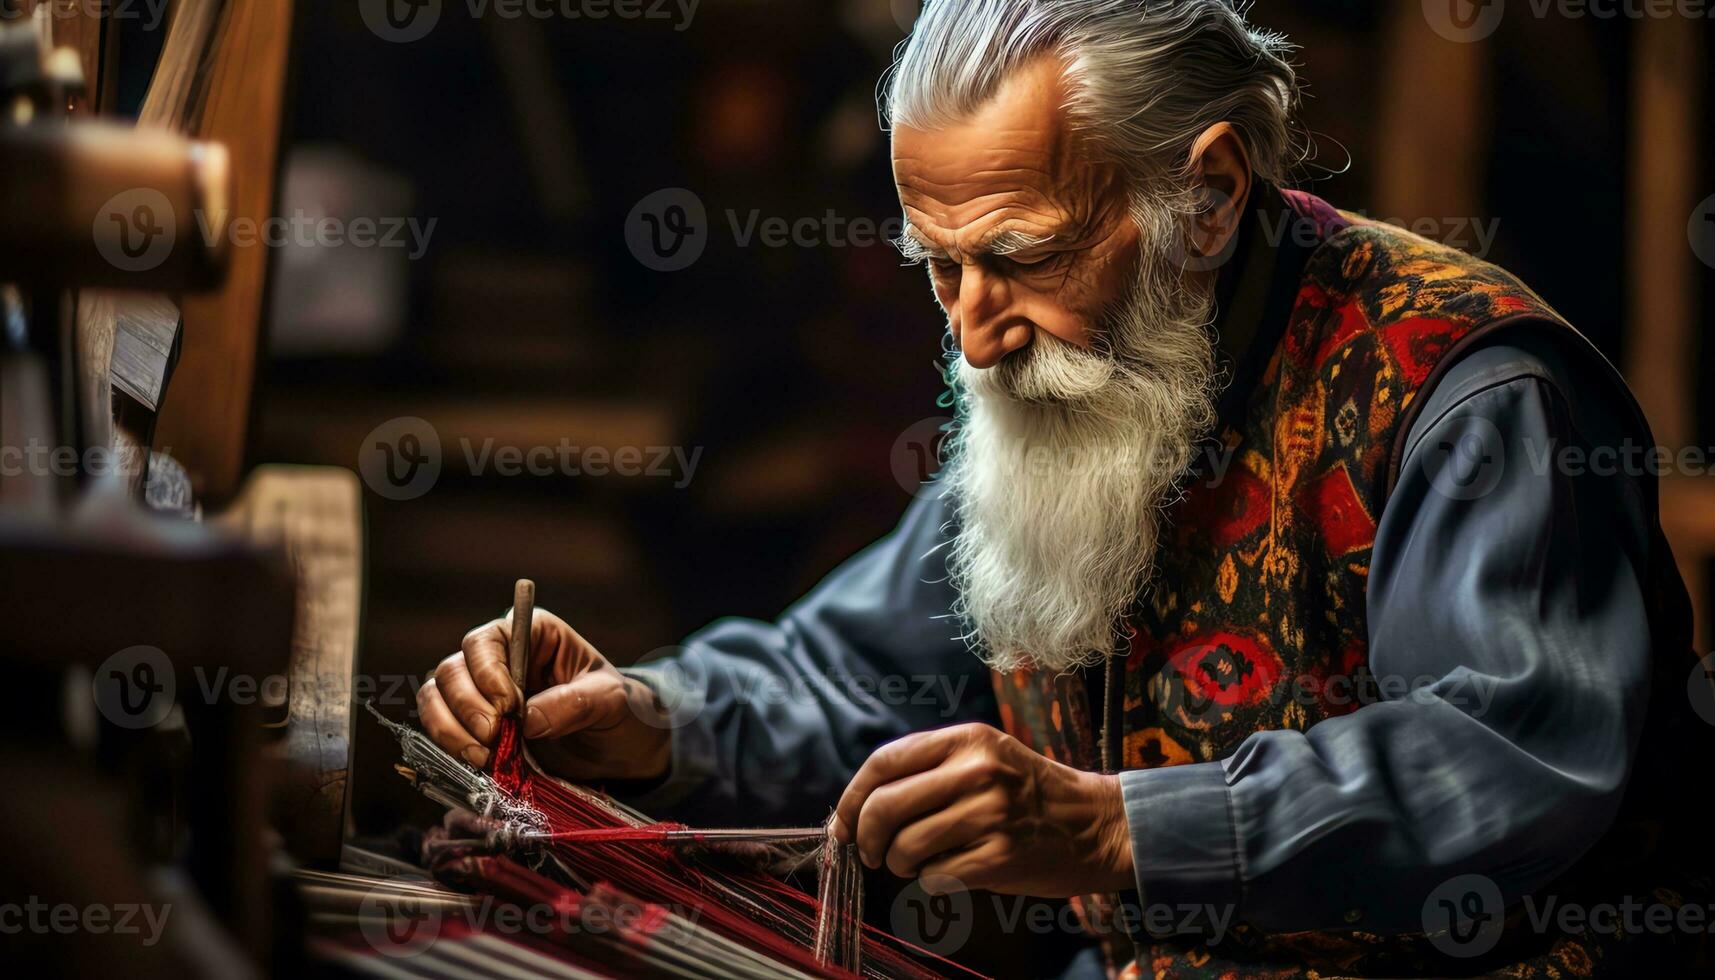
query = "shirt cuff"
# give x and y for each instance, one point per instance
(1184, 845)
(691, 762)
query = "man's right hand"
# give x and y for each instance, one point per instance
(584, 719)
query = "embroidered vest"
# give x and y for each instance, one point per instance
(1255, 618)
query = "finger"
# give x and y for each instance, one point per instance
(589, 702)
(950, 829)
(893, 806)
(558, 653)
(474, 712)
(981, 865)
(439, 723)
(895, 760)
(485, 658)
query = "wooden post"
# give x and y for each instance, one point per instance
(1665, 185)
(1432, 133)
(205, 418)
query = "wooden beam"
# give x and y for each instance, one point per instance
(1432, 136)
(206, 416)
(1664, 187)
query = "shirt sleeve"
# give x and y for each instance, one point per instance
(1509, 638)
(771, 720)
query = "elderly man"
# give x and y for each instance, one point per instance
(1254, 585)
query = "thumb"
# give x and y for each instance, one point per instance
(594, 700)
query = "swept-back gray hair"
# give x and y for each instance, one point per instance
(1145, 77)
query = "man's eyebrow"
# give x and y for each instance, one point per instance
(1010, 242)
(915, 247)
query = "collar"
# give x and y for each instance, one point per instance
(1254, 295)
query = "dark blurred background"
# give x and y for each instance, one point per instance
(528, 320)
(762, 408)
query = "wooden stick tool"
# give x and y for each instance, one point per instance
(518, 650)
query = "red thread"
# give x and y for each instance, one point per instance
(740, 903)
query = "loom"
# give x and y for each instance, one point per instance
(693, 902)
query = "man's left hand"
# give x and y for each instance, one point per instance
(974, 805)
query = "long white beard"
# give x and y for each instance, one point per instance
(1063, 463)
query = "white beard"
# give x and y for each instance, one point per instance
(1063, 463)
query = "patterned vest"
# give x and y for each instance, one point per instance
(1258, 600)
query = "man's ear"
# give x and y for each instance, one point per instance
(1223, 169)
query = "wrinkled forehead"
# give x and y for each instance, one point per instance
(1014, 161)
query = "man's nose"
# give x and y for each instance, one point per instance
(988, 329)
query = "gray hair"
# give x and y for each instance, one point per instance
(1145, 78)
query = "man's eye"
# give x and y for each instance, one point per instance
(1038, 260)
(944, 267)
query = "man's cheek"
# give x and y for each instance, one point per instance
(1063, 322)
(1071, 307)
(947, 298)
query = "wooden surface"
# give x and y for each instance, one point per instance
(205, 417)
(315, 514)
(145, 328)
(210, 604)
